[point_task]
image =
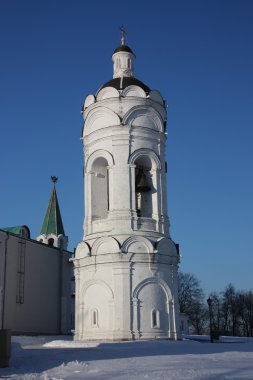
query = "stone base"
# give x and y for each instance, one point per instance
(127, 336)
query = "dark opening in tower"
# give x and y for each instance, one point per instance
(143, 187)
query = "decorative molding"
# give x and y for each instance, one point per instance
(92, 282)
(148, 117)
(137, 239)
(134, 90)
(89, 100)
(156, 97)
(153, 280)
(148, 153)
(99, 118)
(100, 153)
(165, 246)
(107, 241)
(107, 92)
(82, 250)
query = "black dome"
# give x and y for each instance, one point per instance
(123, 48)
(127, 81)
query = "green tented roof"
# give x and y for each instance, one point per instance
(52, 223)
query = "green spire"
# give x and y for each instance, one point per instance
(52, 223)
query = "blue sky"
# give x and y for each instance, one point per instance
(198, 54)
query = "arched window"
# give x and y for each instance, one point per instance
(94, 318)
(129, 63)
(155, 322)
(99, 189)
(143, 187)
(51, 242)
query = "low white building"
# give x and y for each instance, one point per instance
(126, 266)
(35, 278)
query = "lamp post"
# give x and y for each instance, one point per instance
(209, 302)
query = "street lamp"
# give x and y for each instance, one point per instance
(209, 302)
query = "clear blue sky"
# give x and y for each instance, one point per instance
(197, 53)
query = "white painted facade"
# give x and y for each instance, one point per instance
(57, 241)
(126, 265)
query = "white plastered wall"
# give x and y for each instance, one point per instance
(124, 269)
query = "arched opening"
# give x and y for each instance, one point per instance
(155, 318)
(51, 242)
(143, 187)
(99, 189)
(94, 318)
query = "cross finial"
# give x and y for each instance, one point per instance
(54, 179)
(123, 33)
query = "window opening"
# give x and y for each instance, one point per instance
(94, 317)
(143, 192)
(155, 318)
(51, 242)
(100, 189)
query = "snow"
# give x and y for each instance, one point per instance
(56, 358)
(222, 339)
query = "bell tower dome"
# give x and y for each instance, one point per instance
(126, 265)
(123, 60)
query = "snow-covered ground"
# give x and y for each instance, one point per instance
(58, 358)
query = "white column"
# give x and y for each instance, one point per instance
(132, 187)
(135, 318)
(77, 305)
(87, 211)
(171, 320)
(168, 312)
(121, 279)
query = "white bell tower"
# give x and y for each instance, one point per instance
(126, 266)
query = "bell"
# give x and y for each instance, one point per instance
(141, 182)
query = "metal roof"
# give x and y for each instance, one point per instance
(52, 223)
